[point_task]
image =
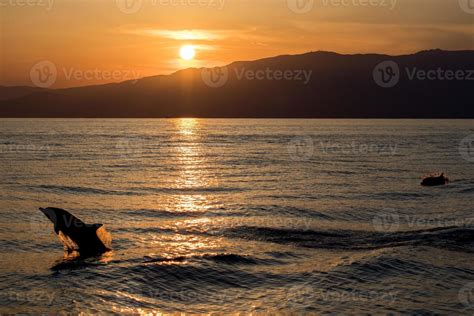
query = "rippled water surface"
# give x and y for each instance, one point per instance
(317, 216)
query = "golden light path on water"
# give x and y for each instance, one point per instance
(192, 177)
(216, 216)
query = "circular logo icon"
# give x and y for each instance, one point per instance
(466, 148)
(299, 293)
(467, 6)
(301, 148)
(387, 74)
(215, 77)
(43, 74)
(300, 6)
(466, 295)
(386, 221)
(129, 147)
(43, 220)
(129, 6)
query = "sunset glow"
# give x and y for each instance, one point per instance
(187, 52)
(145, 37)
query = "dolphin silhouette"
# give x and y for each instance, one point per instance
(87, 239)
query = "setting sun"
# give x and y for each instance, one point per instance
(237, 156)
(187, 52)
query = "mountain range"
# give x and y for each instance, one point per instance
(428, 84)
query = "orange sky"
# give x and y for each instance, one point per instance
(100, 41)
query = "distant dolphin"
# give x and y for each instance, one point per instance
(87, 239)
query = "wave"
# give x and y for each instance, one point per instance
(79, 190)
(458, 238)
(224, 258)
(132, 191)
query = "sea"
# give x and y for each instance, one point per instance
(228, 216)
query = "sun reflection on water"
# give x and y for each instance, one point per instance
(192, 161)
(187, 126)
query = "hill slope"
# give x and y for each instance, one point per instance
(318, 84)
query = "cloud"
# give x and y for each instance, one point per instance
(182, 35)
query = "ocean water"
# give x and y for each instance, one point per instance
(250, 216)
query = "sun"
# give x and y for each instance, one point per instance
(187, 52)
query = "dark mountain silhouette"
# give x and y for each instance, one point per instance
(16, 92)
(341, 86)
